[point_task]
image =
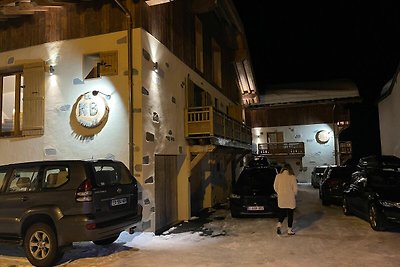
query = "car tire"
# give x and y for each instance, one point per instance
(235, 215)
(40, 245)
(345, 207)
(106, 241)
(325, 202)
(375, 218)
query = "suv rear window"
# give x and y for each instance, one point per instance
(260, 179)
(56, 176)
(111, 174)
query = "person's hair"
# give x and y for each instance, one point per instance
(288, 168)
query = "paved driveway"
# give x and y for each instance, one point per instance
(324, 237)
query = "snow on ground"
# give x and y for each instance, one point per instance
(324, 237)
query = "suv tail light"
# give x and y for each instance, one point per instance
(84, 192)
(332, 183)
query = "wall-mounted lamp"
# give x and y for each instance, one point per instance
(95, 93)
(51, 70)
(155, 66)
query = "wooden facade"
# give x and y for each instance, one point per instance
(172, 24)
(272, 116)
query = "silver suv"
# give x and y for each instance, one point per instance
(47, 205)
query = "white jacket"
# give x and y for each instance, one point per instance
(285, 186)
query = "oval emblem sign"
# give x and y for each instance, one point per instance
(91, 110)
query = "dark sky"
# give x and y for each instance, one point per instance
(300, 41)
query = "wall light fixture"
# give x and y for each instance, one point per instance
(95, 93)
(51, 70)
(155, 66)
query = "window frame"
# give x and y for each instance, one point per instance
(29, 98)
(17, 126)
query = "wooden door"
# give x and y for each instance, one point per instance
(165, 191)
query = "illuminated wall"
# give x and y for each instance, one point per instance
(78, 127)
(315, 153)
(64, 137)
(389, 122)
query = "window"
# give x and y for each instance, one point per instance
(275, 137)
(216, 63)
(199, 44)
(108, 174)
(24, 180)
(22, 100)
(55, 177)
(11, 103)
(100, 64)
(2, 177)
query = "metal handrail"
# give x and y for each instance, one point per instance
(281, 148)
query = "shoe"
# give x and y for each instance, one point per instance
(278, 230)
(290, 232)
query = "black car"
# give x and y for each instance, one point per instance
(48, 205)
(253, 193)
(258, 161)
(317, 174)
(373, 192)
(331, 187)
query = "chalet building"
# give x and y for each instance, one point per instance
(389, 116)
(158, 85)
(301, 124)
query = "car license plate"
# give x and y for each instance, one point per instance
(119, 201)
(255, 208)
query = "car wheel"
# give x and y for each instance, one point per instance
(375, 218)
(106, 241)
(235, 215)
(325, 202)
(345, 207)
(40, 245)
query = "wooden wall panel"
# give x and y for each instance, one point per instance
(172, 24)
(284, 116)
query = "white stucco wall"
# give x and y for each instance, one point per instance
(389, 122)
(315, 153)
(165, 98)
(62, 90)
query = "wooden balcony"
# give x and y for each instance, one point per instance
(206, 122)
(286, 149)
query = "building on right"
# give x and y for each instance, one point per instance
(389, 116)
(303, 124)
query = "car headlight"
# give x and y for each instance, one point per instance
(235, 196)
(389, 204)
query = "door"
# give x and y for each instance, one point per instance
(21, 192)
(166, 191)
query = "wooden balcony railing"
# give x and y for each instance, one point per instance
(282, 149)
(207, 122)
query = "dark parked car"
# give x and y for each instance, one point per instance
(47, 205)
(253, 193)
(258, 161)
(317, 174)
(373, 192)
(331, 187)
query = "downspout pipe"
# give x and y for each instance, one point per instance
(130, 81)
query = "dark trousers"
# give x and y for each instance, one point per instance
(286, 212)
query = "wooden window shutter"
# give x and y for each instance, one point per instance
(109, 63)
(33, 99)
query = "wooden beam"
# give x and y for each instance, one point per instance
(204, 6)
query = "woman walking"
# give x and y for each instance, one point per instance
(285, 186)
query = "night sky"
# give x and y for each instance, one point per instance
(302, 41)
